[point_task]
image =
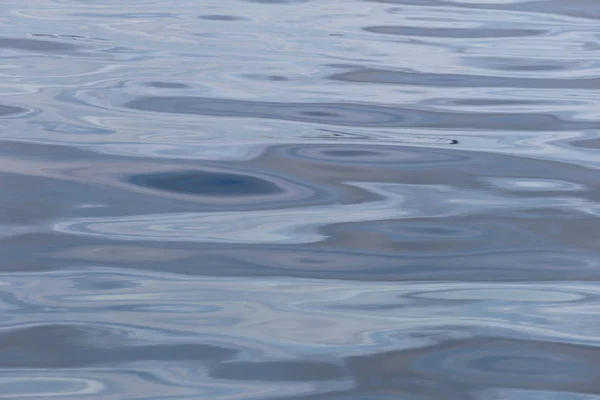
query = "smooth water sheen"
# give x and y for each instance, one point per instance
(300, 199)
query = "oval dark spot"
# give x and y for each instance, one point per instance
(167, 85)
(527, 65)
(204, 183)
(104, 284)
(466, 33)
(390, 77)
(221, 17)
(275, 78)
(10, 110)
(260, 77)
(34, 45)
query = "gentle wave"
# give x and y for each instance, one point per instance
(291, 335)
(299, 199)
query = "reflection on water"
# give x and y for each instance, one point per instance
(290, 338)
(356, 114)
(292, 199)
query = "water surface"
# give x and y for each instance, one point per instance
(300, 199)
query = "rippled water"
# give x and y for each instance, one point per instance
(300, 199)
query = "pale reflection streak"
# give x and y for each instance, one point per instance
(106, 383)
(360, 328)
(24, 387)
(302, 225)
(295, 316)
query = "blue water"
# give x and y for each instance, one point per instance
(300, 199)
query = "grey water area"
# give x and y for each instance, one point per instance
(300, 199)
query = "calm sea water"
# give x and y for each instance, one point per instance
(300, 199)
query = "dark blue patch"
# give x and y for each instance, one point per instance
(167, 85)
(221, 17)
(34, 45)
(293, 371)
(10, 110)
(204, 183)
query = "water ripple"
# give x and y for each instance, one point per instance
(457, 80)
(294, 199)
(6, 110)
(355, 114)
(414, 337)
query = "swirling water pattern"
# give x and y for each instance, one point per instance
(300, 199)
